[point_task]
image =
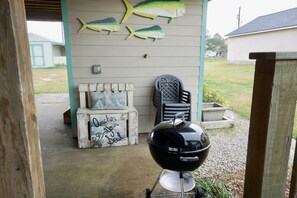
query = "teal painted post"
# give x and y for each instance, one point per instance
(69, 63)
(202, 53)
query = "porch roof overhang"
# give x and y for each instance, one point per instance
(43, 10)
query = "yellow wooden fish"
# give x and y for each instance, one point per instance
(109, 24)
(154, 8)
(154, 32)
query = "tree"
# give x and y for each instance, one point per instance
(216, 44)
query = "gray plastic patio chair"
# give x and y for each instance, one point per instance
(170, 98)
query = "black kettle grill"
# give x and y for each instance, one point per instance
(178, 145)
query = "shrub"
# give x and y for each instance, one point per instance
(212, 189)
(211, 95)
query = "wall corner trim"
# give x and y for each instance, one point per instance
(202, 54)
(69, 63)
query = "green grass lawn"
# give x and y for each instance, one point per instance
(234, 83)
(50, 80)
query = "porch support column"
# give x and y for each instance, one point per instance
(21, 172)
(271, 125)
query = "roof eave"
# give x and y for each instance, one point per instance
(263, 31)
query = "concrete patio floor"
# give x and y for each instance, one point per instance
(100, 173)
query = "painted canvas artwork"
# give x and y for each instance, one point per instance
(154, 32)
(108, 130)
(153, 8)
(109, 24)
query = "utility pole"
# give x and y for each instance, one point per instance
(238, 17)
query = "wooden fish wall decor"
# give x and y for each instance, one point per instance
(108, 24)
(154, 8)
(154, 32)
(149, 8)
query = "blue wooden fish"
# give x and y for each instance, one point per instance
(109, 24)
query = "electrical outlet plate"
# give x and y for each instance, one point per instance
(96, 69)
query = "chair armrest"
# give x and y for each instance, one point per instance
(185, 96)
(157, 98)
(158, 103)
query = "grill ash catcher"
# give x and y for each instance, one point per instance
(179, 147)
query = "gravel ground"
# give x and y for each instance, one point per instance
(228, 149)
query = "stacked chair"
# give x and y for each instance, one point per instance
(171, 98)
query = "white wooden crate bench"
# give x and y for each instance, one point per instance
(106, 127)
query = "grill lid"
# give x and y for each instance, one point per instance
(179, 136)
(178, 145)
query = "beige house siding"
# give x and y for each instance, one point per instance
(239, 47)
(123, 60)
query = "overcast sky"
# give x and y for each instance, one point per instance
(221, 16)
(50, 30)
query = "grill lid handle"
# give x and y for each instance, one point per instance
(188, 159)
(178, 115)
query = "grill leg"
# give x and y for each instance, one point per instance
(181, 177)
(148, 191)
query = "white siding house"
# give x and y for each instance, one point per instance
(273, 32)
(44, 52)
(135, 60)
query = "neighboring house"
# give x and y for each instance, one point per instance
(273, 32)
(46, 53)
